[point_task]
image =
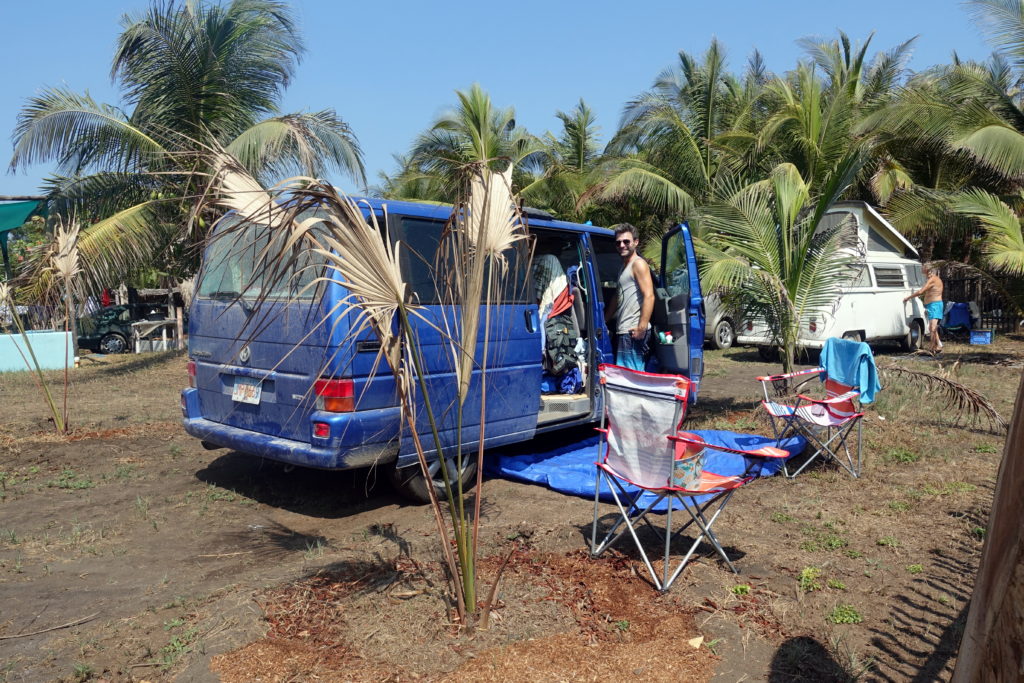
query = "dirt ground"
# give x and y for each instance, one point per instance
(129, 553)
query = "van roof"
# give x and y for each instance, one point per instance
(881, 221)
(534, 217)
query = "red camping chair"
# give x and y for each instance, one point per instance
(828, 424)
(645, 460)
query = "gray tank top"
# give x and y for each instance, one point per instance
(630, 300)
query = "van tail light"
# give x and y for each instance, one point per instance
(321, 430)
(191, 374)
(750, 326)
(813, 326)
(335, 395)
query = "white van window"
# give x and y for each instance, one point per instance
(889, 277)
(916, 275)
(859, 276)
(879, 244)
(834, 219)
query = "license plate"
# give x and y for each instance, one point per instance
(247, 390)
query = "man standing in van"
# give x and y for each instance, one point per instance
(933, 307)
(634, 302)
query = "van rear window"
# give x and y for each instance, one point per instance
(234, 255)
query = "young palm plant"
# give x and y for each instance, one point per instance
(64, 264)
(31, 361)
(474, 265)
(764, 245)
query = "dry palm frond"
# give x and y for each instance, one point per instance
(493, 221)
(316, 219)
(480, 234)
(64, 260)
(965, 403)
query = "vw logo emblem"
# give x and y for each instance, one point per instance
(244, 355)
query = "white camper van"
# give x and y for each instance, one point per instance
(870, 306)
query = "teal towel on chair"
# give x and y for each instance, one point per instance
(851, 363)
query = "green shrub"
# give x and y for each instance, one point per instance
(809, 579)
(845, 614)
(901, 455)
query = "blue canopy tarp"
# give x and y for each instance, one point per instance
(569, 467)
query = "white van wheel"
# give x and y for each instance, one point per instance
(411, 484)
(912, 340)
(724, 336)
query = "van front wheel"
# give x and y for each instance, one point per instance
(411, 484)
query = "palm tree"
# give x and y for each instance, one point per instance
(764, 245)
(664, 160)
(194, 77)
(475, 132)
(569, 160)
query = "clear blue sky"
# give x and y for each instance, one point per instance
(389, 68)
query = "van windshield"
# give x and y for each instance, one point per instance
(232, 259)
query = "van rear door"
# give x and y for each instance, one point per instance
(679, 307)
(256, 356)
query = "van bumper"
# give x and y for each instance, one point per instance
(331, 453)
(803, 343)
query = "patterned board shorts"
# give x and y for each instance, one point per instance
(632, 353)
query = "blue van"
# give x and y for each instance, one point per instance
(277, 377)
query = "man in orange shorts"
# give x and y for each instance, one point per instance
(933, 307)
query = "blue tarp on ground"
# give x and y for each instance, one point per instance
(569, 467)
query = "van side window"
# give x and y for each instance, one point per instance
(420, 238)
(889, 276)
(879, 244)
(677, 275)
(859, 276)
(916, 276)
(418, 260)
(609, 264)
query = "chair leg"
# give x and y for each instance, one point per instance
(704, 531)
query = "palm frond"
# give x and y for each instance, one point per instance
(964, 403)
(1004, 243)
(77, 132)
(309, 144)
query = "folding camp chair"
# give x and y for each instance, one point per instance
(829, 424)
(645, 459)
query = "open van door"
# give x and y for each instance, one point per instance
(679, 308)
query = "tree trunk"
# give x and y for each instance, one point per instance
(992, 648)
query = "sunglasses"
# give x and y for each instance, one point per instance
(625, 242)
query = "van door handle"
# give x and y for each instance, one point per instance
(531, 326)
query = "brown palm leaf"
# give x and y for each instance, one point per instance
(964, 403)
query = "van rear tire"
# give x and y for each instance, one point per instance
(913, 339)
(410, 483)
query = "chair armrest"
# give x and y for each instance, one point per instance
(798, 373)
(764, 452)
(842, 398)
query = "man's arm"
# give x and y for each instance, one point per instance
(642, 274)
(921, 292)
